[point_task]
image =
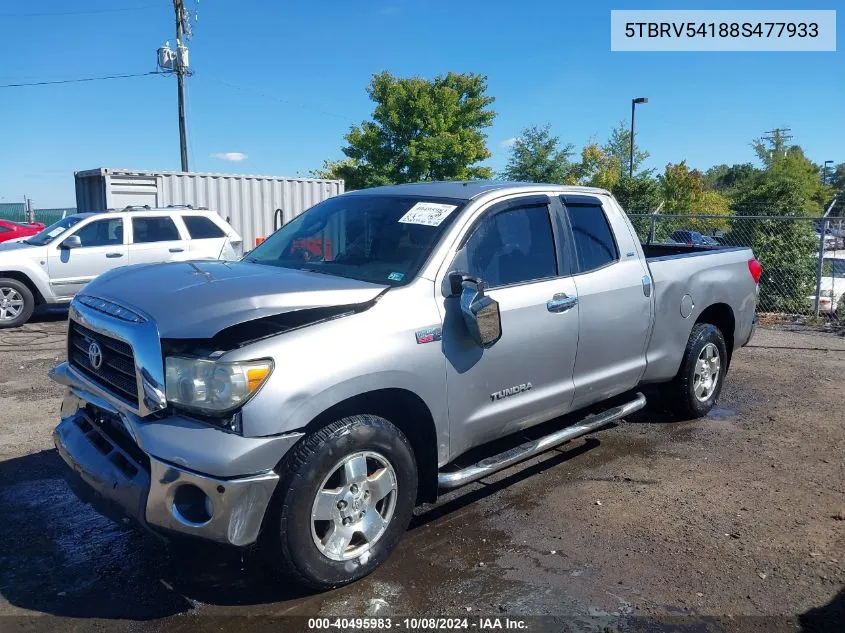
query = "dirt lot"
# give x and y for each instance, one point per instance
(740, 514)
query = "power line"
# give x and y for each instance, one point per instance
(79, 80)
(272, 97)
(82, 12)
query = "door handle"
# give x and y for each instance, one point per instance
(177, 250)
(113, 255)
(561, 302)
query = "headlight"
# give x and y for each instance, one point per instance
(213, 387)
(826, 293)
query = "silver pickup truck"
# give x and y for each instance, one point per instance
(360, 360)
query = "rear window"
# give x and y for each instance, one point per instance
(156, 229)
(202, 228)
(594, 241)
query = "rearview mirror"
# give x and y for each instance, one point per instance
(480, 312)
(71, 242)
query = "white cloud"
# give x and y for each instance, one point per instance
(234, 157)
(509, 142)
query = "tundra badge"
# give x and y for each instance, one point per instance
(510, 391)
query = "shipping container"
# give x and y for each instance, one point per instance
(248, 203)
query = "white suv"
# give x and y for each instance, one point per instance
(52, 266)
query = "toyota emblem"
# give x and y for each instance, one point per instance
(95, 355)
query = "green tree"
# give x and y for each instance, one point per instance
(596, 169)
(640, 194)
(421, 129)
(537, 156)
(684, 192)
(786, 248)
(837, 178)
(725, 178)
(345, 169)
(619, 146)
(784, 163)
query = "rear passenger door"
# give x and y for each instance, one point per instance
(206, 238)
(156, 238)
(614, 299)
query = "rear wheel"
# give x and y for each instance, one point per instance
(697, 386)
(345, 500)
(16, 303)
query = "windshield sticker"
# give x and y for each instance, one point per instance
(427, 213)
(396, 276)
(57, 230)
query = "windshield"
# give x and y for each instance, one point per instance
(53, 231)
(833, 268)
(380, 239)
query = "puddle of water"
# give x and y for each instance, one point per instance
(721, 413)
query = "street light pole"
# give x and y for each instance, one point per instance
(634, 103)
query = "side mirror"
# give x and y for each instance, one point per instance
(480, 312)
(73, 241)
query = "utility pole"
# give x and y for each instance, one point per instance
(181, 70)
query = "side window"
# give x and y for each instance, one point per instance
(200, 227)
(155, 229)
(102, 233)
(594, 241)
(512, 247)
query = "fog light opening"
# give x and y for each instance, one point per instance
(192, 506)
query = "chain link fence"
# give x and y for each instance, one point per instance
(799, 255)
(16, 212)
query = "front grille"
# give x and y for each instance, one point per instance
(117, 370)
(110, 426)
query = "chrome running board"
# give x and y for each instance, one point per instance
(492, 464)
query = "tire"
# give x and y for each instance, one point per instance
(311, 552)
(16, 303)
(692, 393)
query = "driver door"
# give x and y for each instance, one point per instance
(527, 376)
(102, 249)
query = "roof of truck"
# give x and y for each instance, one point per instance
(469, 189)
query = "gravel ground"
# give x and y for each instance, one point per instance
(740, 516)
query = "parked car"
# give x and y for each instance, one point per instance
(314, 392)
(18, 230)
(52, 266)
(831, 242)
(693, 238)
(832, 287)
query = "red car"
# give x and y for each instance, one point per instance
(11, 230)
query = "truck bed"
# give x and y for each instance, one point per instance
(653, 251)
(704, 276)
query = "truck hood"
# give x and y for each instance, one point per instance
(197, 300)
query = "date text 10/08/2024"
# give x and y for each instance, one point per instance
(417, 624)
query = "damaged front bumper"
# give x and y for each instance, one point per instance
(172, 474)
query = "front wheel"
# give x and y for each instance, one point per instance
(697, 386)
(16, 303)
(345, 500)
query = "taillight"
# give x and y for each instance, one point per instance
(755, 269)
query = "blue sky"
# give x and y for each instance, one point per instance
(281, 81)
